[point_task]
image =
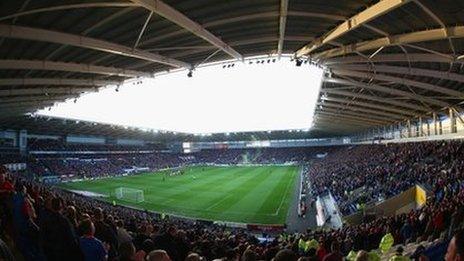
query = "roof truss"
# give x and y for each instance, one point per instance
(391, 91)
(35, 34)
(166, 11)
(414, 37)
(376, 68)
(372, 12)
(399, 80)
(378, 100)
(282, 25)
(69, 67)
(56, 81)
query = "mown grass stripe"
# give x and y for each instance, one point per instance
(238, 194)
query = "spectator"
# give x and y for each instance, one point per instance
(285, 255)
(335, 254)
(167, 242)
(193, 257)
(58, 235)
(105, 233)
(158, 255)
(248, 255)
(362, 256)
(92, 248)
(122, 234)
(455, 250)
(127, 252)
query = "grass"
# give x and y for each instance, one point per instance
(259, 195)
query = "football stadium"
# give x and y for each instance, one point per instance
(239, 130)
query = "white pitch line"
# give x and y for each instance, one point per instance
(282, 200)
(217, 203)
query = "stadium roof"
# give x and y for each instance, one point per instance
(387, 61)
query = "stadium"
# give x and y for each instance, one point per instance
(241, 130)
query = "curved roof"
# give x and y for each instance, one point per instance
(387, 61)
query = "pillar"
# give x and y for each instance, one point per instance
(452, 118)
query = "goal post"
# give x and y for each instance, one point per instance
(129, 194)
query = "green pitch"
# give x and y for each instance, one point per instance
(259, 195)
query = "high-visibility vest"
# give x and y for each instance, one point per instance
(302, 244)
(312, 244)
(373, 256)
(351, 255)
(386, 243)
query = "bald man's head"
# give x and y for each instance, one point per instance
(158, 255)
(456, 247)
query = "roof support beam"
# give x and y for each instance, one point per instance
(247, 42)
(436, 18)
(92, 28)
(143, 30)
(282, 26)
(44, 91)
(35, 34)
(399, 80)
(372, 12)
(66, 7)
(30, 104)
(414, 37)
(390, 58)
(327, 126)
(369, 105)
(55, 81)
(21, 99)
(69, 67)
(14, 112)
(376, 99)
(329, 121)
(360, 116)
(171, 14)
(243, 18)
(403, 70)
(375, 114)
(338, 115)
(237, 43)
(391, 91)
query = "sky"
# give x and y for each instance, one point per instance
(245, 97)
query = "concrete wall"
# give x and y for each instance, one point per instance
(410, 199)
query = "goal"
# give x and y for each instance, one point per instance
(129, 194)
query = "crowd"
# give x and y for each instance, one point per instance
(98, 165)
(61, 145)
(45, 223)
(11, 157)
(363, 174)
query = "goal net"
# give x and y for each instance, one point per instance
(129, 194)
